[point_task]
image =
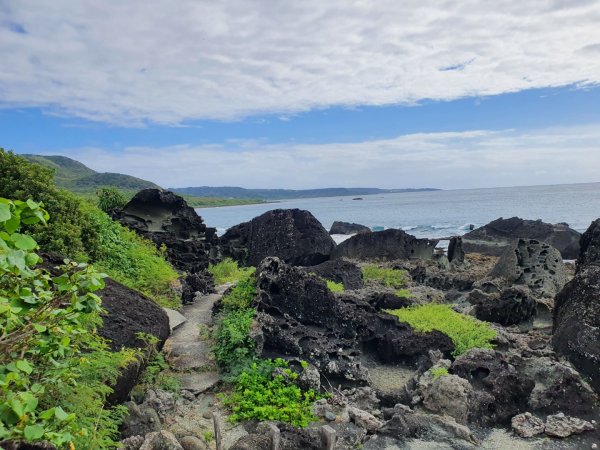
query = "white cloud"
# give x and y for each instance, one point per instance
(446, 160)
(166, 62)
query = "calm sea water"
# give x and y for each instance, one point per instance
(438, 213)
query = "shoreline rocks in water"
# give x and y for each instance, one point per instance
(387, 245)
(493, 238)
(339, 227)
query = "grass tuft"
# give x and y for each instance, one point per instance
(227, 271)
(335, 287)
(393, 278)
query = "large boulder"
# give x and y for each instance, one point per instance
(576, 321)
(340, 271)
(294, 235)
(534, 264)
(590, 246)
(387, 245)
(493, 238)
(166, 219)
(514, 305)
(499, 390)
(348, 228)
(300, 317)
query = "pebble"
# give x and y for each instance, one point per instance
(329, 416)
(207, 415)
(594, 446)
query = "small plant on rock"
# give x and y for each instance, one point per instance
(394, 278)
(334, 287)
(438, 372)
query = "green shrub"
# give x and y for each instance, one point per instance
(234, 348)
(110, 199)
(466, 332)
(335, 287)
(403, 293)
(227, 271)
(393, 278)
(241, 295)
(261, 394)
(438, 372)
(130, 259)
(22, 180)
(54, 369)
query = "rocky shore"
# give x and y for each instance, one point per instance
(388, 385)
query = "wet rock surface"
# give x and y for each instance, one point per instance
(294, 235)
(166, 219)
(493, 238)
(385, 245)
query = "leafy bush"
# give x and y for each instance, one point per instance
(48, 390)
(131, 259)
(234, 348)
(241, 295)
(110, 198)
(393, 278)
(227, 271)
(334, 287)
(466, 332)
(263, 393)
(438, 372)
(24, 180)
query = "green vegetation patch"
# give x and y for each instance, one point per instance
(227, 271)
(438, 372)
(403, 293)
(335, 287)
(55, 371)
(393, 278)
(266, 391)
(466, 332)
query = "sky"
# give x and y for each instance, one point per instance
(307, 94)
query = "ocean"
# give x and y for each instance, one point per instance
(435, 214)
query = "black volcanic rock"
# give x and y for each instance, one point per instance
(589, 253)
(576, 332)
(294, 235)
(514, 305)
(493, 238)
(534, 264)
(456, 253)
(387, 245)
(166, 219)
(300, 317)
(339, 271)
(339, 227)
(500, 392)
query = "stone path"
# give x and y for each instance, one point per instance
(188, 351)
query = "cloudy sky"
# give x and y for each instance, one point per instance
(307, 93)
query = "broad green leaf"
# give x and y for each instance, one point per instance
(33, 432)
(23, 241)
(4, 212)
(60, 414)
(24, 366)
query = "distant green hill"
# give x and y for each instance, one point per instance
(77, 177)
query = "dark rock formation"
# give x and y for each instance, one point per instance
(300, 317)
(294, 235)
(491, 239)
(166, 219)
(202, 282)
(514, 305)
(387, 245)
(534, 264)
(576, 333)
(590, 246)
(456, 254)
(499, 391)
(128, 313)
(348, 228)
(339, 271)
